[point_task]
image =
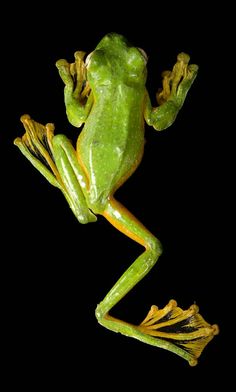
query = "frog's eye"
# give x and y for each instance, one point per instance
(144, 54)
(88, 58)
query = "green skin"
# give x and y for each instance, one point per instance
(109, 149)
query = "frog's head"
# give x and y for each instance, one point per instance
(115, 60)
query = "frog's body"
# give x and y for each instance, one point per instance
(107, 93)
(115, 139)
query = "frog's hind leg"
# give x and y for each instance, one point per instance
(72, 177)
(55, 158)
(183, 332)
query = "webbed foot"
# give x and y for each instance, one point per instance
(177, 82)
(74, 76)
(186, 329)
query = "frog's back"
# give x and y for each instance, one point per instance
(110, 145)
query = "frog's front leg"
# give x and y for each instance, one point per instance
(55, 159)
(77, 92)
(176, 84)
(183, 332)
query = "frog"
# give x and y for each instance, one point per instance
(106, 97)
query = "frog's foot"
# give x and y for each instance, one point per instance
(186, 329)
(77, 92)
(184, 332)
(36, 145)
(74, 76)
(177, 82)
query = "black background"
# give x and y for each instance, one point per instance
(55, 270)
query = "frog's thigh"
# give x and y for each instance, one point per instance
(72, 177)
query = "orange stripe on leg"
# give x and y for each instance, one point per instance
(118, 224)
